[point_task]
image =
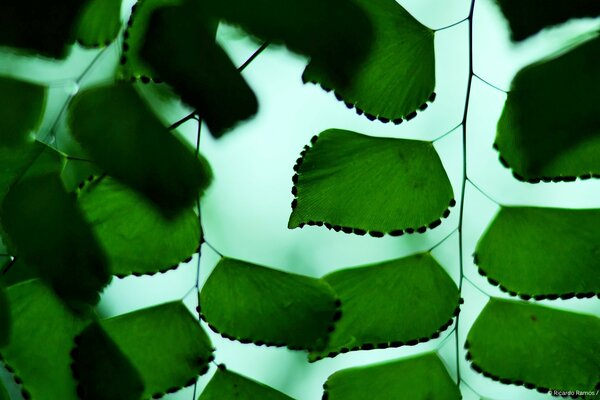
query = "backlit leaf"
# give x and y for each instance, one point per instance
(358, 183)
(228, 385)
(252, 303)
(99, 23)
(21, 108)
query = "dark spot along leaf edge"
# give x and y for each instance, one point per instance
(93, 45)
(16, 378)
(356, 231)
(394, 344)
(529, 296)
(95, 179)
(528, 385)
(205, 365)
(545, 179)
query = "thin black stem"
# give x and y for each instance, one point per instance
(451, 25)
(447, 133)
(73, 158)
(443, 240)
(8, 265)
(197, 283)
(182, 121)
(482, 191)
(490, 84)
(443, 342)
(213, 248)
(466, 278)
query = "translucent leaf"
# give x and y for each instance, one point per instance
(358, 183)
(422, 377)
(550, 125)
(21, 108)
(390, 304)
(99, 23)
(398, 75)
(527, 17)
(164, 343)
(228, 385)
(251, 303)
(4, 317)
(542, 252)
(137, 238)
(178, 44)
(535, 346)
(114, 125)
(41, 341)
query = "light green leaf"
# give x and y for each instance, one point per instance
(164, 343)
(398, 75)
(99, 23)
(21, 108)
(542, 252)
(137, 238)
(550, 125)
(113, 124)
(535, 346)
(527, 17)
(41, 340)
(252, 303)
(390, 304)
(423, 377)
(358, 183)
(231, 386)
(4, 317)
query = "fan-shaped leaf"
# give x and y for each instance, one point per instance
(391, 304)
(527, 17)
(178, 44)
(99, 23)
(418, 378)
(164, 343)
(136, 237)
(228, 385)
(4, 317)
(21, 108)
(41, 339)
(358, 183)
(550, 126)
(526, 344)
(251, 303)
(113, 125)
(542, 252)
(398, 75)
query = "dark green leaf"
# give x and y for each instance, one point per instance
(43, 27)
(391, 304)
(535, 345)
(398, 75)
(231, 386)
(99, 23)
(359, 183)
(423, 377)
(550, 126)
(542, 252)
(3, 393)
(178, 44)
(136, 237)
(123, 136)
(527, 17)
(41, 340)
(21, 108)
(164, 343)
(18, 271)
(251, 303)
(4, 317)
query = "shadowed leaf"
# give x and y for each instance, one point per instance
(251, 303)
(99, 23)
(526, 343)
(4, 317)
(3, 393)
(423, 377)
(365, 183)
(228, 385)
(390, 304)
(21, 108)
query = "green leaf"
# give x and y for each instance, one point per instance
(422, 377)
(164, 343)
(3, 392)
(358, 183)
(527, 17)
(542, 252)
(251, 303)
(99, 23)
(18, 271)
(390, 304)
(178, 44)
(42, 27)
(550, 125)
(231, 386)
(535, 346)
(21, 108)
(137, 237)
(41, 340)
(4, 317)
(398, 75)
(113, 124)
